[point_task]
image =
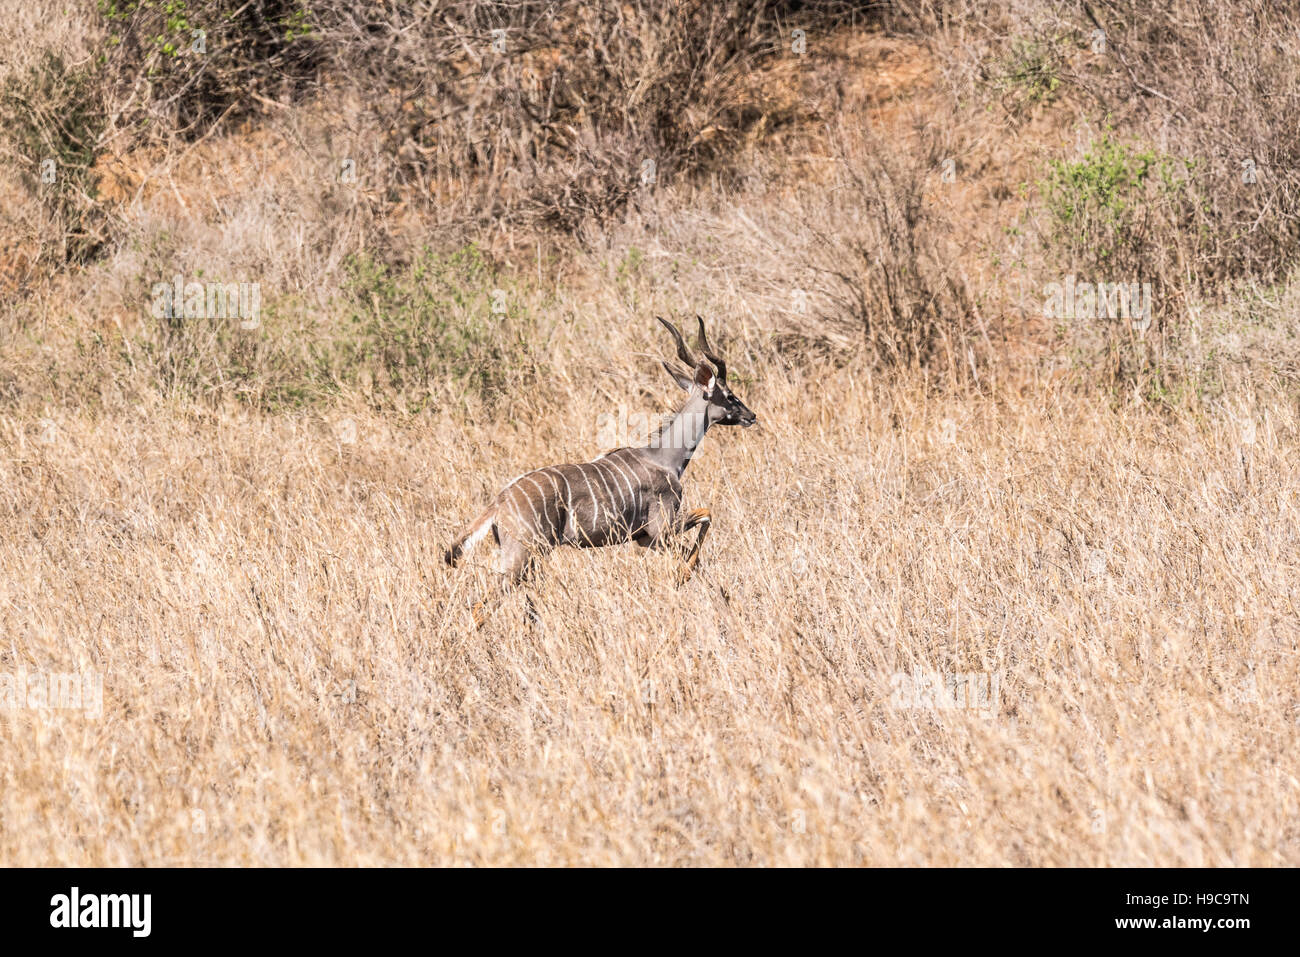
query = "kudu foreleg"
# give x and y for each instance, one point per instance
(699, 518)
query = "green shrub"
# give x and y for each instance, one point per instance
(436, 329)
(1102, 207)
(442, 319)
(1123, 213)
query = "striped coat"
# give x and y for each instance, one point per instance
(622, 496)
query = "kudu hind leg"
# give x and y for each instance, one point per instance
(700, 518)
(517, 563)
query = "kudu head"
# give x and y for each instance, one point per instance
(708, 380)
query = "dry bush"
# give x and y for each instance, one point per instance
(1218, 84)
(541, 110)
(178, 70)
(859, 265)
(50, 109)
(1183, 166)
(885, 263)
(53, 119)
(556, 113)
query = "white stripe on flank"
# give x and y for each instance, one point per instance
(631, 485)
(519, 518)
(545, 517)
(550, 474)
(622, 504)
(591, 497)
(537, 519)
(569, 521)
(609, 492)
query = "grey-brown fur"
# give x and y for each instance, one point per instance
(630, 494)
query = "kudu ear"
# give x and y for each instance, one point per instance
(680, 376)
(704, 377)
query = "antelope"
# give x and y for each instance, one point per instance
(627, 495)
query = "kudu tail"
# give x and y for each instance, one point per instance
(471, 536)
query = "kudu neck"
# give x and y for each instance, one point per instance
(674, 444)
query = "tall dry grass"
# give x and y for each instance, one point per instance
(290, 675)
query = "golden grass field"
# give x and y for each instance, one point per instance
(1017, 617)
(290, 675)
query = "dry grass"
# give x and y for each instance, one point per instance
(289, 672)
(1129, 582)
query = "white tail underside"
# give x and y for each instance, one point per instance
(478, 534)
